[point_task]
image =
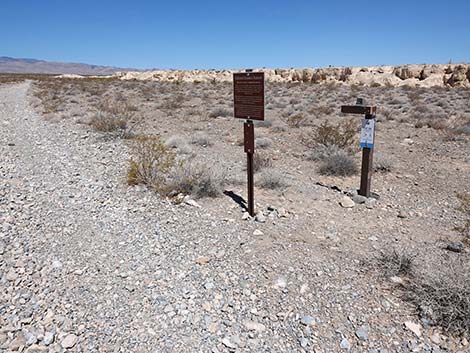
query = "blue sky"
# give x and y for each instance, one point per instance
(236, 34)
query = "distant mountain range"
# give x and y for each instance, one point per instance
(34, 66)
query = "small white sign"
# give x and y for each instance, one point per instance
(367, 133)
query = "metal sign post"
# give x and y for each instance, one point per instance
(248, 93)
(367, 141)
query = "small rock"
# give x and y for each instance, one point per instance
(69, 341)
(228, 343)
(359, 199)
(282, 213)
(35, 348)
(455, 247)
(362, 333)
(436, 338)
(202, 260)
(303, 342)
(191, 202)
(18, 342)
(345, 344)
(396, 279)
(254, 326)
(402, 214)
(245, 216)
(280, 282)
(346, 202)
(260, 218)
(257, 232)
(11, 275)
(48, 338)
(415, 328)
(307, 320)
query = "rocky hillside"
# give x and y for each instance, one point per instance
(34, 66)
(453, 75)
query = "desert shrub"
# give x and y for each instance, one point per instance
(382, 164)
(271, 179)
(196, 179)
(264, 123)
(464, 208)
(263, 142)
(443, 295)
(345, 73)
(175, 141)
(296, 120)
(461, 126)
(321, 110)
(395, 262)
(150, 163)
(173, 102)
(338, 163)
(220, 112)
(201, 139)
(327, 134)
(106, 122)
(261, 161)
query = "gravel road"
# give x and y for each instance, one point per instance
(88, 264)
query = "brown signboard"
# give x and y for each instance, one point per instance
(248, 93)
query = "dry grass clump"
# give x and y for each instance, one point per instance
(201, 139)
(263, 142)
(382, 164)
(150, 163)
(338, 163)
(220, 112)
(261, 161)
(195, 179)
(461, 126)
(271, 179)
(464, 208)
(396, 262)
(296, 120)
(443, 295)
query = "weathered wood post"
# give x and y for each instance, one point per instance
(367, 141)
(248, 93)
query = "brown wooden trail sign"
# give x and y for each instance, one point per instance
(248, 97)
(368, 135)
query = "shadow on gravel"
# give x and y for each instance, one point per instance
(237, 198)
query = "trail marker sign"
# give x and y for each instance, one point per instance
(367, 141)
(248, 95)
(367, 133)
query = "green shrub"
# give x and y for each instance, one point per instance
(150, 163)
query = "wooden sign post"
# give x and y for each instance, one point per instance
(367, 141)
(248, 94)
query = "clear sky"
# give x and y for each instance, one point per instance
(236, 34)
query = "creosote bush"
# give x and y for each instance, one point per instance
(443, 295)
(327, 134)
(106, 122)
(150, 163)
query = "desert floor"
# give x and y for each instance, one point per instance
(91, 264)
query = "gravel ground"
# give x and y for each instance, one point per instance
(88, 264)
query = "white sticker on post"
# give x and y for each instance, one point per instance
(367, 133)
